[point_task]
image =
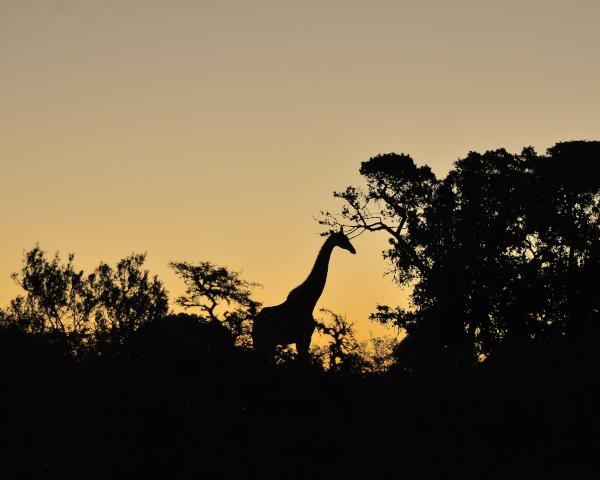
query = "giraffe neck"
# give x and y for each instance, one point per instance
(308, 293)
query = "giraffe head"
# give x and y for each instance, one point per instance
(340, 239)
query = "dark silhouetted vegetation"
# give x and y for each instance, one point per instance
(84, 312)
(502, 250)
(221, 295)
(496, 364)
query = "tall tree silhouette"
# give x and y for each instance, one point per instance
(504, 246)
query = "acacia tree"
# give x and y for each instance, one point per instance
(220, 294)
(504, 245)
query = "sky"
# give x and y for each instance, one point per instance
(217, 130)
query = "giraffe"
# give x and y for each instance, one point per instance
(292, 321)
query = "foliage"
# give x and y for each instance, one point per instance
(220, 294)
(343, 353)
(63, 303)
(381, 353)
(55, 299)
(125, 298)
(505, 246)
(502, 256)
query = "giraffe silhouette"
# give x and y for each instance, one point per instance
(292, 321)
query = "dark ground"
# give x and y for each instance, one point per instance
(173, 411)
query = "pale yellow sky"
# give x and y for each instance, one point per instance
(214, 130)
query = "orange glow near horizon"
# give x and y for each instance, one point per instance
(216, 130)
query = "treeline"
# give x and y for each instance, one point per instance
(101, 312)
(83, 312)
(502, 253)
(498, 362)
(102, 380)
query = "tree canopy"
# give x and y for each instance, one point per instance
(504, 247)
(106, 305)
(220, 294)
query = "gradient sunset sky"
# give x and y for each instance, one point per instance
(215, 130)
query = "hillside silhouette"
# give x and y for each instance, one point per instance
(497, 365)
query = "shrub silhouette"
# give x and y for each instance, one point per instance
(184, 342)
(343, 353)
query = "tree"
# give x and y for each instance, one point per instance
(55, 303)
(220, 294)
(64, 303)
(125, 298)
(504, 246)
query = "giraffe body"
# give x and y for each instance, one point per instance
(292, 321)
